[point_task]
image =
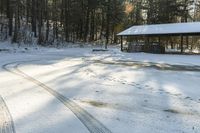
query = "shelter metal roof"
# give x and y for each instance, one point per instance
(191, 28)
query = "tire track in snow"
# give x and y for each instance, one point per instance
(6, 121)
(91, 123)
(157, 66)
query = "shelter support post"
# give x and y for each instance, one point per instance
(121, 43)
(136, 40)
(148, 43)
(148, 40)
(181, 43)
(159, 41)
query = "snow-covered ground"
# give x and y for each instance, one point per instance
(125, 93)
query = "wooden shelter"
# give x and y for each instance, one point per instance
(159, 30)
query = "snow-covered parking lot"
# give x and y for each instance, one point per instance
(75, 90)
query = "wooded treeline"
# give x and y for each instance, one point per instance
(50, 21)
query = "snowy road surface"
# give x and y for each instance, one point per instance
(77, 91)
(6, 122)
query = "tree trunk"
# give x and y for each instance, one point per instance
(17, 23)
(10, 17)
(33, 18)
(107, 24)
(86, 25)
